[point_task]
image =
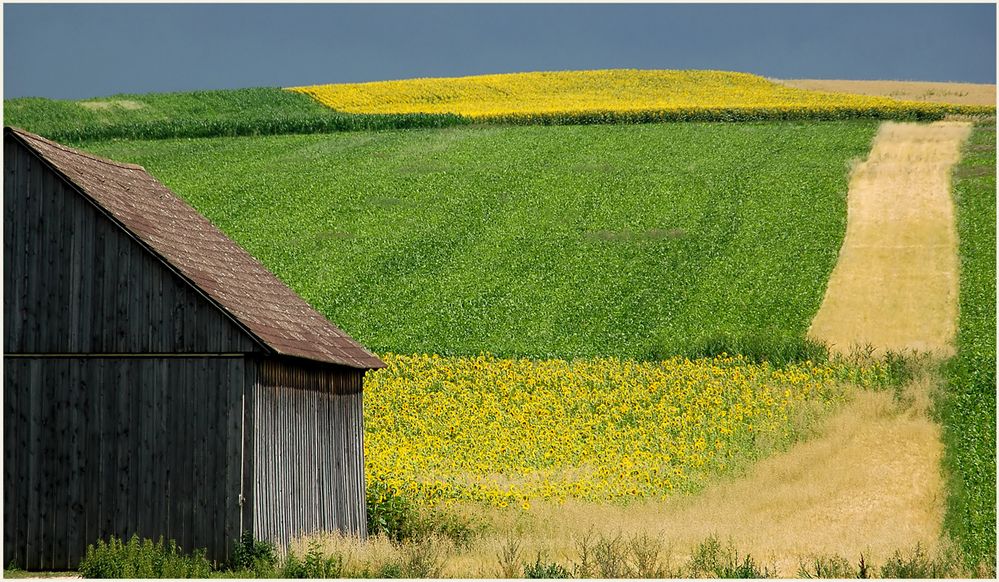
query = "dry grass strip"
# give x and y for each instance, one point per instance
(895, 284)
(951, 93)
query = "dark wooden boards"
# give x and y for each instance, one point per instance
(76, 282)
(134, 403)
(108, 446)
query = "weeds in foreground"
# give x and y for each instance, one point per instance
(599, 555)
(650, 558)
(832, 567)
(918, 564)
(399, 518)
(544, 569)
(914, 563)
(713, 560)
(509, 558)
(142, 559)
(252, 554)
(314, 564)
(424, 558)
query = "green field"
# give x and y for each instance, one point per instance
(675, 96)
(576, 241)
(632, 241)
(968, 410)
(233, 112)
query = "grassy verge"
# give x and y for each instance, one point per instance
(967, 407)
(239, 112)
(633, 241)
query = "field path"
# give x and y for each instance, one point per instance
(895, 284)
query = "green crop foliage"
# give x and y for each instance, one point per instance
(635, 241)
(274, 111)
(237, 112)
(967, 408)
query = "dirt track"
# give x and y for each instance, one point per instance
(895, 284)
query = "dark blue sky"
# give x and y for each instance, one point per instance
(75, 51)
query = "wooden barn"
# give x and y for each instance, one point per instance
(158, 379)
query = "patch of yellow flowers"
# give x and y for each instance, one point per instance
(614, 95)
(506, 431)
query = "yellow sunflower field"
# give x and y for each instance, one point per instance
(615, 95)
(509, 431)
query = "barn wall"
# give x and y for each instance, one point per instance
(75, 282)
(102, 446)
(308, 451)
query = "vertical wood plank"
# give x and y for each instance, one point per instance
(173, 399)
(57, 286)
(250, 393)
(219, 448)
(122, 299)
(197, 460)
(146, 391)
(24, 377)
(233, 449)
(122, 467)
(32, 264)
(11, 463)
(75, 440)
(92, 459)
(162, 443)
(185, 460)
(209, 388)
(109, 294)
(50, 457)
(11, 245)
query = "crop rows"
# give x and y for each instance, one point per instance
(617, 96)
(636, 241)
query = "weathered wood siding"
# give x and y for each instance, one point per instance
(76, 282)
(308, 451)
(102, 446)
(133, 404)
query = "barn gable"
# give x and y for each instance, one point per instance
(221, 270)
(75, 282)
(158, 380)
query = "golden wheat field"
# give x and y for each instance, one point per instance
(953, 93)
(511, 431)
(615, 94)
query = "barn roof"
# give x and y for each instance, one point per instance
(228, 275)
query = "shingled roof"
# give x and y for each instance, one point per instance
(237, 283)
